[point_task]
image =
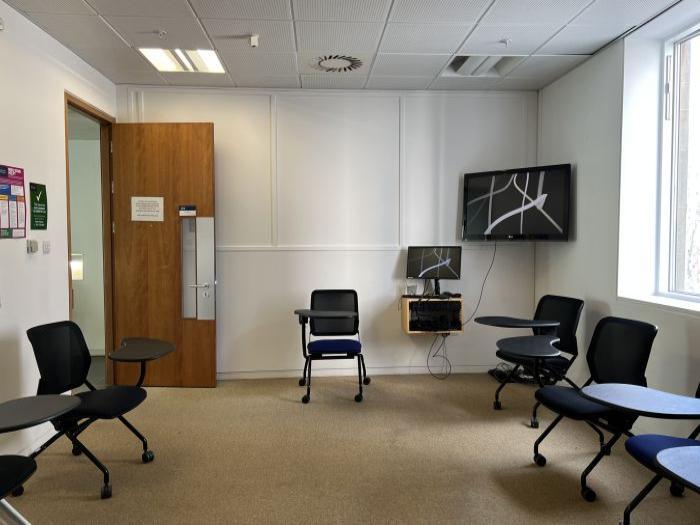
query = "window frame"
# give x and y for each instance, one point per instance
(668, 184)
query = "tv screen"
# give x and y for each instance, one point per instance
(522, 204)
(434, 262)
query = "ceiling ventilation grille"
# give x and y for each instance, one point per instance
(484, 66)
(337, 63)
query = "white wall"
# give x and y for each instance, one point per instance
(86, 238)
(581, 122)
(326, 189)
(34, 288)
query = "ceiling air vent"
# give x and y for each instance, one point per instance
(483, 66)
(337, 63)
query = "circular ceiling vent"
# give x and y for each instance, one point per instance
(337, 63)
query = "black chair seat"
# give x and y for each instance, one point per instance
(335, 346)
(14, 471)
(558, 364)
(568, 402)
(108, 403)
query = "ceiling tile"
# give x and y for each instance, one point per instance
(332, 82)
(464, 83)
(113, 60)
(172, 8)
(625, 12)
(423, 38)
(233, 35)
(183, 33)
(243, 9)
(198, 79)
(547, 68)
(409, 65)
(338, 37)
(453, 11)
(381, 82)
(341, 10)
(253, 64)
(308, 62)
(486, 40)
(534, 12)
(79, 31)
(147, 78)
(524, 84)
(65, 7)
(582, 40)
(287, 82)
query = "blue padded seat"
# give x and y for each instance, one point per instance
(645, 447)
(335, 346)
(558, 364)
(568, 402)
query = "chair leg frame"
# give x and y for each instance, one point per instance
(497, 401)
(546, 432)
(134, 431)
(604, 451)
(639, 497)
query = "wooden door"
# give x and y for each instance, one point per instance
(175, 162)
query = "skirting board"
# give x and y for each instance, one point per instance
(334, 372)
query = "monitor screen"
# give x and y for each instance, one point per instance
(434, 262)
(527, 203)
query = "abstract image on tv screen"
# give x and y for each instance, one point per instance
(530, 203)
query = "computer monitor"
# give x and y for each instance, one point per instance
(434, 262)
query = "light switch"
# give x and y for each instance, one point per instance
(46, 246)
(32, 246)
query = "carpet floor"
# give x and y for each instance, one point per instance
(417, 450)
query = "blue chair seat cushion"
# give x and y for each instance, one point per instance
(557, 365)
(335, 346)
(645, 447)
(568, 402)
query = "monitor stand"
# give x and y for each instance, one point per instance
(436, 287)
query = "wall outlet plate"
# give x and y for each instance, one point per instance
(32, 246)
(46, 246)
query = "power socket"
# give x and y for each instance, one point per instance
(46, 246)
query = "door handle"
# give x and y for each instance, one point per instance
(205, 285)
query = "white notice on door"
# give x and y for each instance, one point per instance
(147, 209)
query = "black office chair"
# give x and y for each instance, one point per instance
(323, 349)
(567, 311)
(644, 448)
(14, 471)
(64, 360)
(618, 353)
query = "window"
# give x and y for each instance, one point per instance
(680, 276)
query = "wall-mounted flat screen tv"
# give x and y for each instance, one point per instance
(521, 204)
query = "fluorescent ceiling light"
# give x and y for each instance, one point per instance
(190, 60)
(162, 59)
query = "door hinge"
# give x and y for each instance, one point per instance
(668, 78)
(114, 228)
(112, 184)
(111, 147)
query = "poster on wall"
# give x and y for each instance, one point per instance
(13, 211)
(38, 206)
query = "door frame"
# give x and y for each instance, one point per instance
(105, 120)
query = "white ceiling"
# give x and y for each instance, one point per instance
(404, 44)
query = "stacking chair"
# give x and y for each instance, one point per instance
(644, 448)
(618, 353)
(345, 343)
(64, 360)
(14, 471)
(567, 311)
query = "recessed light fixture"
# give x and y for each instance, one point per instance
(189, 60)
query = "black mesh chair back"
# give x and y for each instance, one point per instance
(345, 300)
(62, 356)
(619, 351)
(567, 311)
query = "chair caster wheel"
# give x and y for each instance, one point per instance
(366, 380)
(306, 399)
(588, 494)
(540, 460)
(358, 398)
(18, 491)
(677, 490)
(76, 451)
(148, 456)
(106, 492)
(302, 382)
(496, 405)
(534, 423)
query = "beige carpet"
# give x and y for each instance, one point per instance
(417, 450)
